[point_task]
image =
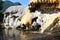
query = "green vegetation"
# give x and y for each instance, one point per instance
(1, 5)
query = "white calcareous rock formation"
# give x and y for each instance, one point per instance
(12, 15)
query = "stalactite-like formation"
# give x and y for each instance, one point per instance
(43, 5)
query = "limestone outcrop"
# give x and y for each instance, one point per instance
(13, 15)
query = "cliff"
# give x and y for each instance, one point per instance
(13, 15)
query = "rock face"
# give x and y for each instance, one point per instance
(45, 1)
(43, 5)
(12, 15)
(51, 22)
(45, 19)
(48, 9)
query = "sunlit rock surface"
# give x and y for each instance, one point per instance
(13, 14)
(52, 22)
(49, 8)
(50, 25)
